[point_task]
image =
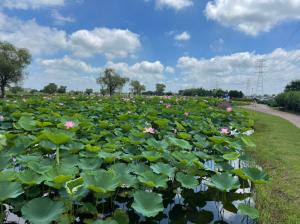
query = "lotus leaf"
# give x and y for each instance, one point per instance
(10, 190)
(163, 168)
(42, 210)
(224, 182)
(27, 123)
(248, 210)
(151, 179)
(187, 181)
(148, 204)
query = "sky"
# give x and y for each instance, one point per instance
(182, 43)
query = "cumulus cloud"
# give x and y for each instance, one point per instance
(174, 4)
(170, 70)
(233, 71)
(30, 4)
(184, 36)
(251, 16)
(75, 74)
(112, 43)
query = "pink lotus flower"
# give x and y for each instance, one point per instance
(1, 118)
(229, 109)
(168, 106)
(186, 114)
(225, 131)
(149, 130)
(69, 124)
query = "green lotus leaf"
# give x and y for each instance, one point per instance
(73, 186)
(101, 181)
(57, 136)
(27, 123)
(48, 145)
(151, 179)
(184, 135)
(224, 182)
(89, 163)
(218, 139)
(184, 156)
(29, 177)
(7, 175)
(158, 145)
(247, 142)
(41, 166)
(4, 161)
(148, 204)
(139, 168)
(257, 176)
(162, 123)
(122, 171)
(109, 157)
(2, 141)
(10, 190)
(231, 156)
(151, 156)
(60, 174)
(183, 144)
(73, 147)
(187, 181)
(121, 216)
(163, 168)
(248, 210)
(42, 210)
(93, 148)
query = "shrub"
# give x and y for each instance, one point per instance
(289, 100)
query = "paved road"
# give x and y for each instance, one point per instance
(295, 119)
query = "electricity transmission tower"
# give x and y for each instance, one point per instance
(260, 77)
(248, 87)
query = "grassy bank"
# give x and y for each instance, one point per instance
(277, 151)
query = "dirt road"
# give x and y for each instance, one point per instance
(293, 118)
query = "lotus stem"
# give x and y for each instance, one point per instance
(57, 155)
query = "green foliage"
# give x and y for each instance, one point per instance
(106, 159)
(111, 81)
(293, 86)
(289, 100)
(136, 87)
(62, 89)
(50, 88)
(88, 91)
(160, 88)
(13, 61)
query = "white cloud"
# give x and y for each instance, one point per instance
(174, 4)
(217, 45)
(60, 19)
(38, 39)
(252, 16)
(112, 43)
(170, 70)
(75, 74)
(30, 4)
(233, 71)
(184, 36)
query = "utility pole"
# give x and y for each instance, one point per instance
(260, 77)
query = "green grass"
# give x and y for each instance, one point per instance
(278, 152)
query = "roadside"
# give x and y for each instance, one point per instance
(293, 118)
(278, 152)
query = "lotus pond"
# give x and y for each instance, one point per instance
(99, 160)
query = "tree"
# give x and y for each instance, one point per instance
(88, 91)
(62, 89)
(50, 88)
(236, 94)
(111, 81)
(13, 61)
(160, 88)
(16, 89)
(293, 86)
(137, 87)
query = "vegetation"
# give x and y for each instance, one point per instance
(13, 61)
(160, 89)
(277, 151)
(213, 92)
(293, 86)
(124, 160)
(88, 91)
(111, 81)
(136, 87)
(50, 88)
(289, 100)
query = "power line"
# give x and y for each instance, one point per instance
(260, 77)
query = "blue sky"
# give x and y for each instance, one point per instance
(182, 43)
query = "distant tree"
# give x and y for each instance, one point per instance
(148, 93)
(160, 88)
(236, 94)
(16, 89)
(88, 91)
(137, 87)
(50, 88)
(33, 91)
(62, 89)
(111, 81)
(13, 61)
(218, 92)
(293, 86)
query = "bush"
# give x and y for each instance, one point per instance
(289, 100)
